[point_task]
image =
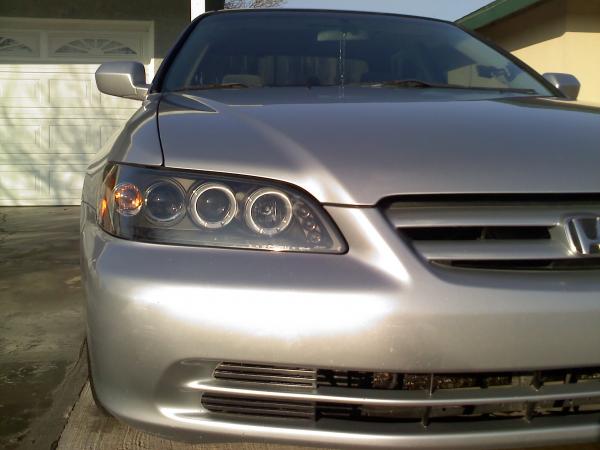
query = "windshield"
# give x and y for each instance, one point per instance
(253, 49)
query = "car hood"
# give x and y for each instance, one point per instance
(358, 145)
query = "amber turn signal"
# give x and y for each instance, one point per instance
(127, 199)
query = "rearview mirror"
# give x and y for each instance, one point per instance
(125, 79)
(337, 35)
(566, 83)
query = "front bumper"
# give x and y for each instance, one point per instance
(379, 307)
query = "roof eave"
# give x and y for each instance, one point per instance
(493, 12)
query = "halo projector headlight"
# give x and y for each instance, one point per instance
(184, 207)
(213, 205)
(165, 202)
(268, 211)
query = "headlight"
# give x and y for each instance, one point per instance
(268, 211)
(165, 202)
(213, 205)
(176, 207)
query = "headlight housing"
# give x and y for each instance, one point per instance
(187, 208)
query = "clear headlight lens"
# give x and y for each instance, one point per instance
(165, 202)
(176, 207)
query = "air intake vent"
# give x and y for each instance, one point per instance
(477, 233)
(282, 376)
(257, 407)
(495, 234)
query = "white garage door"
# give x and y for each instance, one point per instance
(52, 117)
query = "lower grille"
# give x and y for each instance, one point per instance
(485, 383)
(427, 415)
(435, 382)
(421, 398)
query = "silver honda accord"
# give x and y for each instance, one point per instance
(346, 229)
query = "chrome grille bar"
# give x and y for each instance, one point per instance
(489, 215)
(284, 376)
(491, 250)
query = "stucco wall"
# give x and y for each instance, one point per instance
(170, 17)
(556, 36)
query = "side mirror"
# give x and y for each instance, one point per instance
(123, 79)
(566, 83)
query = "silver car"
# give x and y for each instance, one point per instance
(346, 229)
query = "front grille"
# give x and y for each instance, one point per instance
(413, 398)
(495, 233)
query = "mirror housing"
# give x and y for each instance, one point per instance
(125, 79)
(566, 83)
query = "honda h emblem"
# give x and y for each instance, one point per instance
(584, 234)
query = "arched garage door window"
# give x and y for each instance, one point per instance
(52, 117)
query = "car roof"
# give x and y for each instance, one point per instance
(327, 10)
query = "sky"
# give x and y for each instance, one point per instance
(441, 9)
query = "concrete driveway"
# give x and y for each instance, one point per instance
(45, 401)
(41, 324)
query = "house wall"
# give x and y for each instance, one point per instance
(170, 18)
(556, 36)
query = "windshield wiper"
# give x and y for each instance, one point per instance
(419, 84)
(203, 87)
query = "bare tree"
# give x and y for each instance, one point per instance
(237, 4)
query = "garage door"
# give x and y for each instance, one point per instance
(52, 117)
